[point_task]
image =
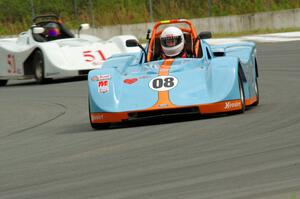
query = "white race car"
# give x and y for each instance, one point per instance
(48, 50)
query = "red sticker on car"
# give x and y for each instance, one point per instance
(11, 64)
(130, 81)
(103, 83)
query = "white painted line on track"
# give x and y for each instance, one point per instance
(262, 38)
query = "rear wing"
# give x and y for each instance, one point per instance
(42, 18)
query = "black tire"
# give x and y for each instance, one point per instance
(97, 126)
(257, 93)
(242, 95)
(39, 67)
(3, 82)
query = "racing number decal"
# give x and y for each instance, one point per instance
(101, 55)
(90, 55)
(159, 83)
(163, 83)
(11, 64)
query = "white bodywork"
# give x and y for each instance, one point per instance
(62, 58)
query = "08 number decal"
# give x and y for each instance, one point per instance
(160, 83)
(163, 83)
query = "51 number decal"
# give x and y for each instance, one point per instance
(91, 56)
(163, 83)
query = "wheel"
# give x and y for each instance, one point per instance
(39, 67)
(256, 93)
(97, 126)
(242, 95)
(3, 82)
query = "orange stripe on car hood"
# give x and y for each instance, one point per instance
(163, 96)
(165, 67)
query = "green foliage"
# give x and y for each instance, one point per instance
(16, 15)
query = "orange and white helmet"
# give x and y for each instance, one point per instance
(172, 41)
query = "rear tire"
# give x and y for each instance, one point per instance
(39, 67)
(3, 82)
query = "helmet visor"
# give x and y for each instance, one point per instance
(171, 41)
(54, 32)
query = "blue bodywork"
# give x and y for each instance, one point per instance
(210, 79)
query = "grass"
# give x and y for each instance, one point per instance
(15, 15)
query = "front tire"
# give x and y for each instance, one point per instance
(3, 82)
(242, 95)
(257, 93)
(100, 126)
(39, 67)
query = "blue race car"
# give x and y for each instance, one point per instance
(215, 79)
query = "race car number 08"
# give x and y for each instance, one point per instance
(163, 83)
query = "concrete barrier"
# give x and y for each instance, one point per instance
(227, 24)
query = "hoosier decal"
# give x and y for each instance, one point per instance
(230, 105)
(101, 77)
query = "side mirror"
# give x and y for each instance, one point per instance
(132, 43)
(84, 26)
(135, 43)
(148, 34)
(38, 30)
(205, 35)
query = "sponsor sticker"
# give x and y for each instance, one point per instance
(134, 71)
(144, 77)
(96, 117)
(162, 105)
(101, 77)
(103, 86)
(94, 78)
(96, 63)
(106, 76)
(230, 105)
(163, 83)
(50, 74)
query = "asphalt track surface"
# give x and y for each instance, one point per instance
(48, 149)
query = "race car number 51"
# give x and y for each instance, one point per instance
(163, 83)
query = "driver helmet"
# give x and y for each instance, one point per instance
(52, 30)
(172, 41)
